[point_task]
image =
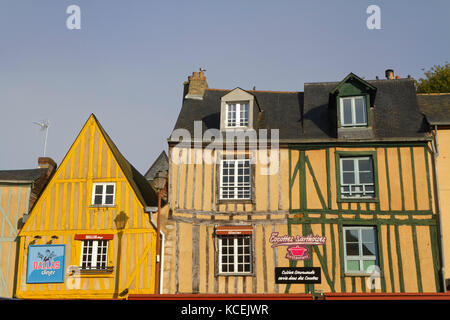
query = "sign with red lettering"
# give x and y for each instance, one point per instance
(234, 230)
(46, 263)
(94, 236)
(296, 245)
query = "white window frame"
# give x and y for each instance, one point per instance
(237, 114)
(236, 255)
(104, 194)
(95, 262)
(361, 258)
(356, 173)
(353, 110)
(236, 185)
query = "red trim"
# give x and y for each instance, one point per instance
(94, 236)
(327, 296)
(220, 297)
(234, 230)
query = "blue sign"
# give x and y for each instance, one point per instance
(46, 263)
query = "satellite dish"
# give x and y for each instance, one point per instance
(44, 126)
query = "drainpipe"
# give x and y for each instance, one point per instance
(158, 246)
(435, 147)
(159, 237)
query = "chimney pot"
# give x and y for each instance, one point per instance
(389, 74)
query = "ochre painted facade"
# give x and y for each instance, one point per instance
(443, 171)
(301, 198)
(65, 210)
(14, 202)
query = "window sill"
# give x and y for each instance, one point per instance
(86, 273)
(355, 274)
(358, 200)
(106, 206)
(238, 201)
(235, 274)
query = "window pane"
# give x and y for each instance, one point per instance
(98, 199)
(348, 177)
(243, 121)
(360, 111)
(98, 189)
(368, 235)
(347, 109)
(368, 263)
(365, 164)
(368, 249)
(109, 200)
(351, 235)
(352, 249)
(352, 265)
(110, 189)
(348, 165)
(365, 177)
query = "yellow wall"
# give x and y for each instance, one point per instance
(14, 200)
(443, 170)
(64, 210)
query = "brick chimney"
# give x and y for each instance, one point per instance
(196, 85)
(46, 162)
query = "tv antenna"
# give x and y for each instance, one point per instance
(44, 126)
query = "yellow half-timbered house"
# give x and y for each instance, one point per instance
(345, 191)
(91, 233)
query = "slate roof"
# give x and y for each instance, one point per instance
(161, 164)
(22, 176)
(144, 191)
(305, 116)
(436, 107)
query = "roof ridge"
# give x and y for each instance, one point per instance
(269, 91)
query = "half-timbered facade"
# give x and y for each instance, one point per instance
(91, 233)
(436, 107)
(19, 190)
(338, 177)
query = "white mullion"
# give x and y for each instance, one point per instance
(220, 255)
(238, 114)
(353, 107)
(94, 254)
(235, 254)
(236, 189)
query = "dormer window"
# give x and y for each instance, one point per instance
(238, 111)
(237, 114)
(353, 111)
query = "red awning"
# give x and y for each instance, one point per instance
(234, 230)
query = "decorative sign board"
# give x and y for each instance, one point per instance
(46, 263)
(296, 245)
(307, 275)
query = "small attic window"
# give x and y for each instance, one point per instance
(353, 111)
(237, 114)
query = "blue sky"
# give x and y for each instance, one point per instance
(128, 62)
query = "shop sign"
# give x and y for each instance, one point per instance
(306, 275)
(46, 263)
(296, 245)
(94, 236)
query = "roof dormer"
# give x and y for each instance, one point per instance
(353, 99)
(238, 110)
